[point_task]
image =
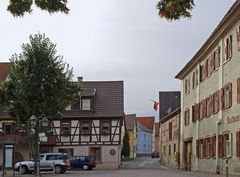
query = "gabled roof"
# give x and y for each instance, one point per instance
(3, 71)
(147, 122)
(231, 16)
(108, 99)
(130, 121)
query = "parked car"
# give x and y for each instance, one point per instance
(155, 155)
(83, 162)
(48, 161)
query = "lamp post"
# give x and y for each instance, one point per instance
(37, 123)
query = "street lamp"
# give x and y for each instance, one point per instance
(37, 123)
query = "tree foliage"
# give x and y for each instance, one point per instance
(126, 147)
(19, 7)
(39, 83)
(175, 9)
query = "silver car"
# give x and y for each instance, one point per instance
(59, 161)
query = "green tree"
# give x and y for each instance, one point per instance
(39, 83)
(175, 9)
(19, 7)
(126, 147)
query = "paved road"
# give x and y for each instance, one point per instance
(142, 163)
(128, 173)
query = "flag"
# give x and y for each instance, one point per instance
(155, 105)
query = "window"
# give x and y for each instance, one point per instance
(86, 104)
(201, 148)
(216, 102)
(65, 128)
(187, 85)
(174, 148)
(169, 150)
(8, 128)
(208, 147)
(238, 37)
(186, 117)
(170, 131)
(238, 144)
(195, 112)
(216, 56)
(195, 79)
(145, 137)
(202, 110)
(214, 144)
(86, 127)
(227, 145)
(238, 90)
(228, 48)
(105, 127)
(226, 96)
(209, 101)
(68, 151)
(145, 147)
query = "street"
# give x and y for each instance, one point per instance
(140, 167)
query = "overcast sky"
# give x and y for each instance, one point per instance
(119, 40)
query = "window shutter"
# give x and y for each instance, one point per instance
(197, 148)
(238, 37)
(220, 146)
(201, 73)
(206, 68)
(226, 49)
(193, 114)
(196, 75)
(212, 104)
(230, 47)
(204, 147)
(238, 144)
(238, 90)
(222, 98)
(230, 94)
(211, 151)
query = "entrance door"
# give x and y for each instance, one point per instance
(95, 152)
(188, 155)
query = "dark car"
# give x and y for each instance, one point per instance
(155, 155)
(83, 162)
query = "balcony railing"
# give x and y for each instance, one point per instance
(15, 137)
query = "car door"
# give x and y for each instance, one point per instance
(48, 163)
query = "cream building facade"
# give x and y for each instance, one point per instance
(210, 101)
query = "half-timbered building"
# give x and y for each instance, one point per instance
(92, 125)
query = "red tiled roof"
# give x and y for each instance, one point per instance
(3, 70)
(148, 122)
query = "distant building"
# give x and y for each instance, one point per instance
(170, 139)
(210, 109)
(169, 117)
(168, 102)
(145, 136)
(130, 123)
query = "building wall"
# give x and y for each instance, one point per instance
(169, 147)
(132, 143)
(144, 142)
(216, 124)
(156, 147)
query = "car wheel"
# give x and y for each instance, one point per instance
(85, 167)
(24, 170)
(58, 169)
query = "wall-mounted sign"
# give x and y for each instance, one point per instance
(233, 119)
(112, 152)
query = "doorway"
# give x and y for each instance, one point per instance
(188, 155)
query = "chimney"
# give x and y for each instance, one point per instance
(80, 79)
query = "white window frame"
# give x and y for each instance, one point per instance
(85, 104)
